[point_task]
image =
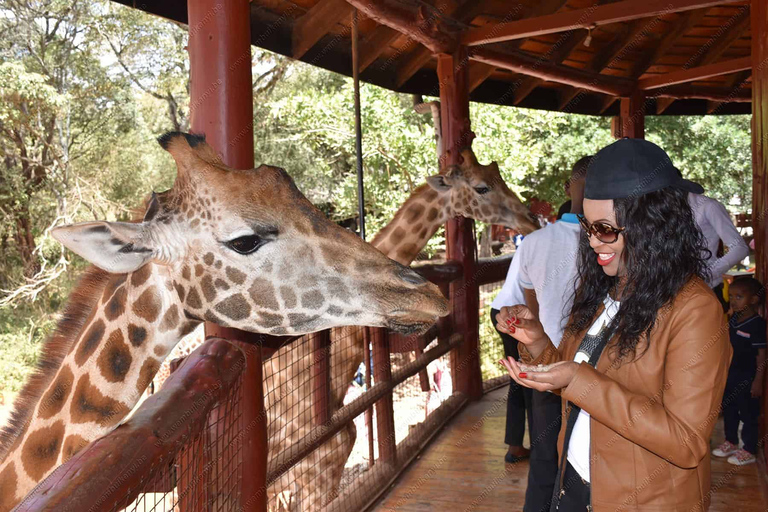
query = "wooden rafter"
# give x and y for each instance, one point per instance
(735, 82)
(686, 22)
(315, 23)
(709, 53)
(525, 64)
(478, 72)
(686, 91)
(582, 18)
(624, 40)
(375, 44)
(698, 73)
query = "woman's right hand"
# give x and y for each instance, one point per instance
(520, 322)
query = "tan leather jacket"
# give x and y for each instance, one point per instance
(652, 418)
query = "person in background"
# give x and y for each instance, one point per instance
(715, 224)
(744, 387)
(548, 275)
(518, 397)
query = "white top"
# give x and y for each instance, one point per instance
(578, 445)
(548, 261)
(512, 292)
(716, 224)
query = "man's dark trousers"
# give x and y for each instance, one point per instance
(545, 427)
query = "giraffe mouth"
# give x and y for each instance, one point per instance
(409, 322)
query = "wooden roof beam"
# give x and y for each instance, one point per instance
(414, 23)
(720, 94)
(315, 23)
(531, 66)
(693, 74)
(375, 44)
(478, 72)
(580, 18)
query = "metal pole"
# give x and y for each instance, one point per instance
(358, 125)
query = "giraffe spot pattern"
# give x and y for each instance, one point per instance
(88, 404)
(432, 215)
(112, 285)
(209, 291)
(140, 276)
(221, 284)
(193, 298)
(416, 228)
(407, 251)
(235, 275)
(89, 342)
(185, 273)
(266, 267)
(195, 223)
(147, 306)
(217, 265)
(270, 320)
(289, 298)
(333, 254)
(199, 270)
(116, 305)
(335, 311)
(179, 291)
(300, 319)
(307, 281)
(208, 259)
(115, 359)
(397, 236)
(414, 212)
(8, 483)
(338, 289)
(430, 195)
(136, 335)
(170, 319)
(54, 399)
(312, 300)
(72, 444)
(187, 328)
(235, 307)
(263, 294)
(147, 373)
(41, 449)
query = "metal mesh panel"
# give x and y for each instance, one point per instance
(205, 474)
(491, 347)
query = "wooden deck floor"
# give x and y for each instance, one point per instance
(463, 470)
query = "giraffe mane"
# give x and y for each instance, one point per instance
(79, 306)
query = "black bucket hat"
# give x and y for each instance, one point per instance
(633, 167)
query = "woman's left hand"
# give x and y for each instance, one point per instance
(558, 376)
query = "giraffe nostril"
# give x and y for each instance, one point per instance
(412, 277)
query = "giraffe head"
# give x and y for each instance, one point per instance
(479, 192)
(245, 249)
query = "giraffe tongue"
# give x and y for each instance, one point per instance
(414, 323)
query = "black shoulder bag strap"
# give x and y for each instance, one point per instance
(573, 414)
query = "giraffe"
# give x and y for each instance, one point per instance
(472, 190)
(242, 248)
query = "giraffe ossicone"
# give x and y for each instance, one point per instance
(241, 248)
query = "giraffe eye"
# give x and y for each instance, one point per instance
(246, 244)
(482, 190)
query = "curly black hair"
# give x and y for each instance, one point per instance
(663, 250)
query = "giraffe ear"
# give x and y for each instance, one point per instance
(439, 182)
(117, 247)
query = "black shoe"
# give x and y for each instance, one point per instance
(511, 458)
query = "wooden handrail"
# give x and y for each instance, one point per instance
(440, 273)
(492, 270)
(112, 468)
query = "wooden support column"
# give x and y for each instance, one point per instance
(321, 375)
(453, 75)
(221, 108)
(631, 120)
(385, 414)
(759, 14)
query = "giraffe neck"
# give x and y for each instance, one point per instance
(413, 224)
(95, 369)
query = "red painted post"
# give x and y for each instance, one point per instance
(385, 414)
(631, 120)
(759, 20)
(221, 108)
(368, 411)
(452, 72)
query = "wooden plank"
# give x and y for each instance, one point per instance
(385, 413)
(528, 65)
(317, 22)
(632, 117)
(412, 63)
(375, 44)
(693, 74)
(478, 72)
(582, 18)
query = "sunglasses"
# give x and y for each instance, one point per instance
(602, 231)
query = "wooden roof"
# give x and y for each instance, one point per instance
(689, 56)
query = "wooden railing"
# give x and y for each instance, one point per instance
(174, 442)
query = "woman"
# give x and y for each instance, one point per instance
(643, 362)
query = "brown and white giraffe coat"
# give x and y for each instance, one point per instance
(472, 190)
(240, 248)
